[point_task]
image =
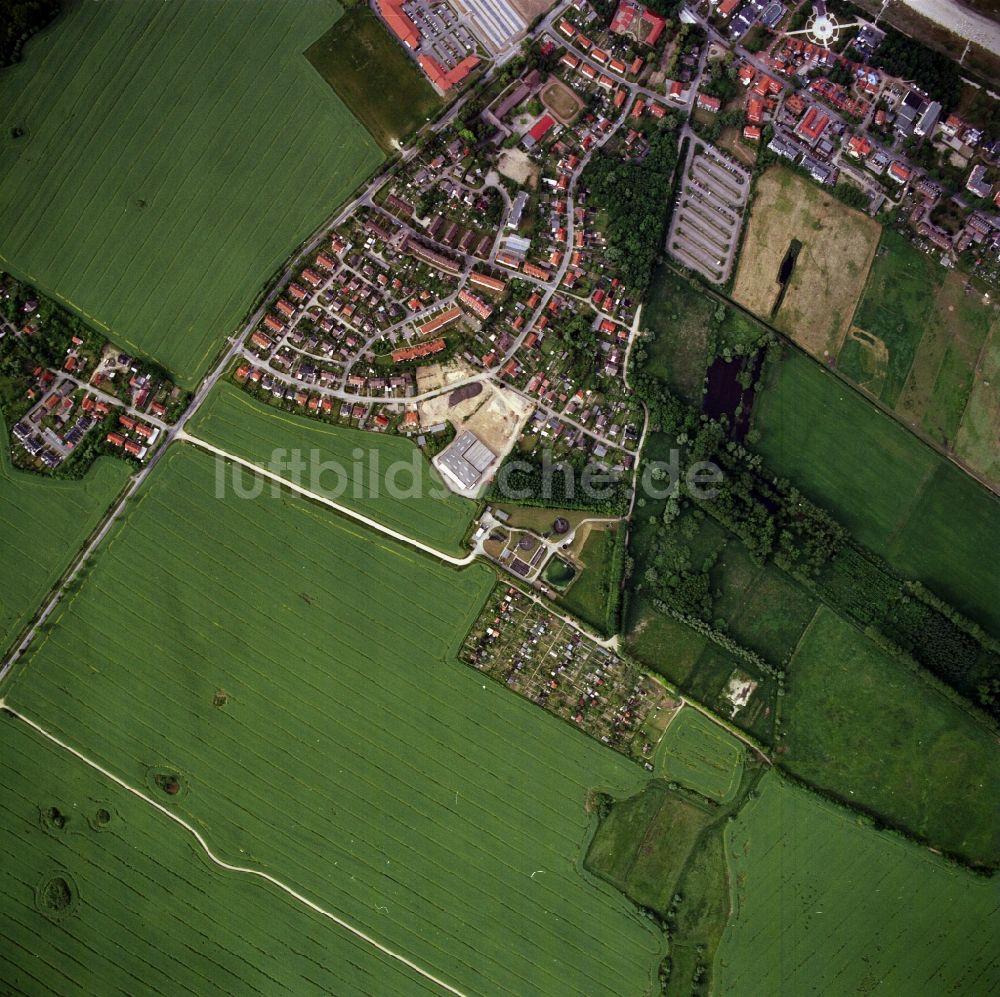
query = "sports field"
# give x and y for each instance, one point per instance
(701, 755)
(339, 457)
(296, 676)
(173, 156)
(921, 342)
(42, 525)
(368, 69)
(935, 771)
(838, 244)
(121, 900)
(825, 906)
(930, 520)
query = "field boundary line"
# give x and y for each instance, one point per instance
(226, 865)
(459, 562)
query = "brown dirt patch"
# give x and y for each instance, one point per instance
(561, 101)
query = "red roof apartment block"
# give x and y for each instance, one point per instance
(399, 22)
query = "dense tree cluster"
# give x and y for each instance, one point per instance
(19, 20)
(569, 482)
(908, 59)
(636, 195)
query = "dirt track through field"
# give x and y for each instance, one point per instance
(229, 867)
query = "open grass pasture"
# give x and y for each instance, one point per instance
(42, 525)
(375, 78)
(919, 343)
(643, 844)
(976, 441)
(297, 675)
(930, 520)
(823, 905)
(701, 755)
(173, 155)
(595, 589)
(936, 771)
(838, 244)
(347, 465)
(122, 900)
(679, 319)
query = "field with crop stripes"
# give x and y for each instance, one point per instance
(699, 754)
(146, 911)
(172, 156)
(298, 674)
(42, 525)
(824, 905)
(233, 421)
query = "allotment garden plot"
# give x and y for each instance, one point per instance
(171, 156)
(827, 905)
(292, 677)
(104, 894)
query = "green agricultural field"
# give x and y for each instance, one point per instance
(594, 593)
(42, 525)
(644, 842)
(233, 421)
(892, 492)
(371, 73)
(173, 156)
(701, 755)
(824, 905)
(765, 609)
(121, 900)
(935, 770)
(296, 675)
(976, 441)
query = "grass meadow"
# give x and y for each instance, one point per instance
(233, 421)
(838, 245)
(42, 525)
(936, 771)
(173, 156)
(591, 596)
(897, 497)
(368, 69)
(146, 912)
(922, 342)
(699, 754)
(298, 675)
(825, 905)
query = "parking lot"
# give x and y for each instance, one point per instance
(444, 35)
(705, 229)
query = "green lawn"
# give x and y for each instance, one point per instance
(701, 755)
(934, 770)
(679, 318)
(895, 307)
(298, 675)
(825, 906)
(593, 593)
(340, 462)
(895, 495)
(147, 913)
(371, 73)
(42, 525)
(173, 156)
